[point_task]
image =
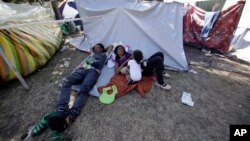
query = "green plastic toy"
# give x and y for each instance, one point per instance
(106, 98)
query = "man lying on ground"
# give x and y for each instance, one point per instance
(87, 75)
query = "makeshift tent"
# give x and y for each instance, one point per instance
(241, 38)
(221, 34)
(26, 47)
(148, 26)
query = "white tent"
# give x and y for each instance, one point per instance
(148, 26)
(241, 39)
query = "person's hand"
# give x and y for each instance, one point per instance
(144, 63)
(80, 66)
(110, 48)
(92, 50)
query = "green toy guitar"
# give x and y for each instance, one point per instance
(106, 98)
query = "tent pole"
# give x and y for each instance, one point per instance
(54, 4)
(25, 85)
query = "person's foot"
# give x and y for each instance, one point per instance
(144, 63)
(57, 136)
(163, 86)
(166, 75)
(131, 82)
(69, 120)
(42, 125)
(57, 122)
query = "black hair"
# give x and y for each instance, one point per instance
(138, 56)
(101, 45)
(117, 57)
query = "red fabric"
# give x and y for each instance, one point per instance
(221, 34)
(142, 87)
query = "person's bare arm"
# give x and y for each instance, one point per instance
(118, 69)
(91, 52)
(109, 49)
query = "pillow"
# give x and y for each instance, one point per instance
(111, 60)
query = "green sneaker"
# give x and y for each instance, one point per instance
(57, 136)
(41, 126)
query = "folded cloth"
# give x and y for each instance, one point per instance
(210, 19)
(126, 47)
(111, 60)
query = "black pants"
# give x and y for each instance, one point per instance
(154, 62)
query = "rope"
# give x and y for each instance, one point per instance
(46, 22)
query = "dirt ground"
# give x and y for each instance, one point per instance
(220, 91)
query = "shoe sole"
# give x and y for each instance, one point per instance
(158, 85)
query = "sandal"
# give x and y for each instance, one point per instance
(41, 126)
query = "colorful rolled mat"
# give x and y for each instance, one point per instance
(27, 49)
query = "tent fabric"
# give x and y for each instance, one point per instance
(27, 47)
(222, 33)
(244, 19)
(148, 26)
(241, 42)
(68, 9)
(241, 38)
(209, 20)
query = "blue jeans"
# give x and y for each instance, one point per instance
(87, 78)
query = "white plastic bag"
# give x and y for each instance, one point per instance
(187, 99)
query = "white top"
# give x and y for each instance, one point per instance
(134, 70)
